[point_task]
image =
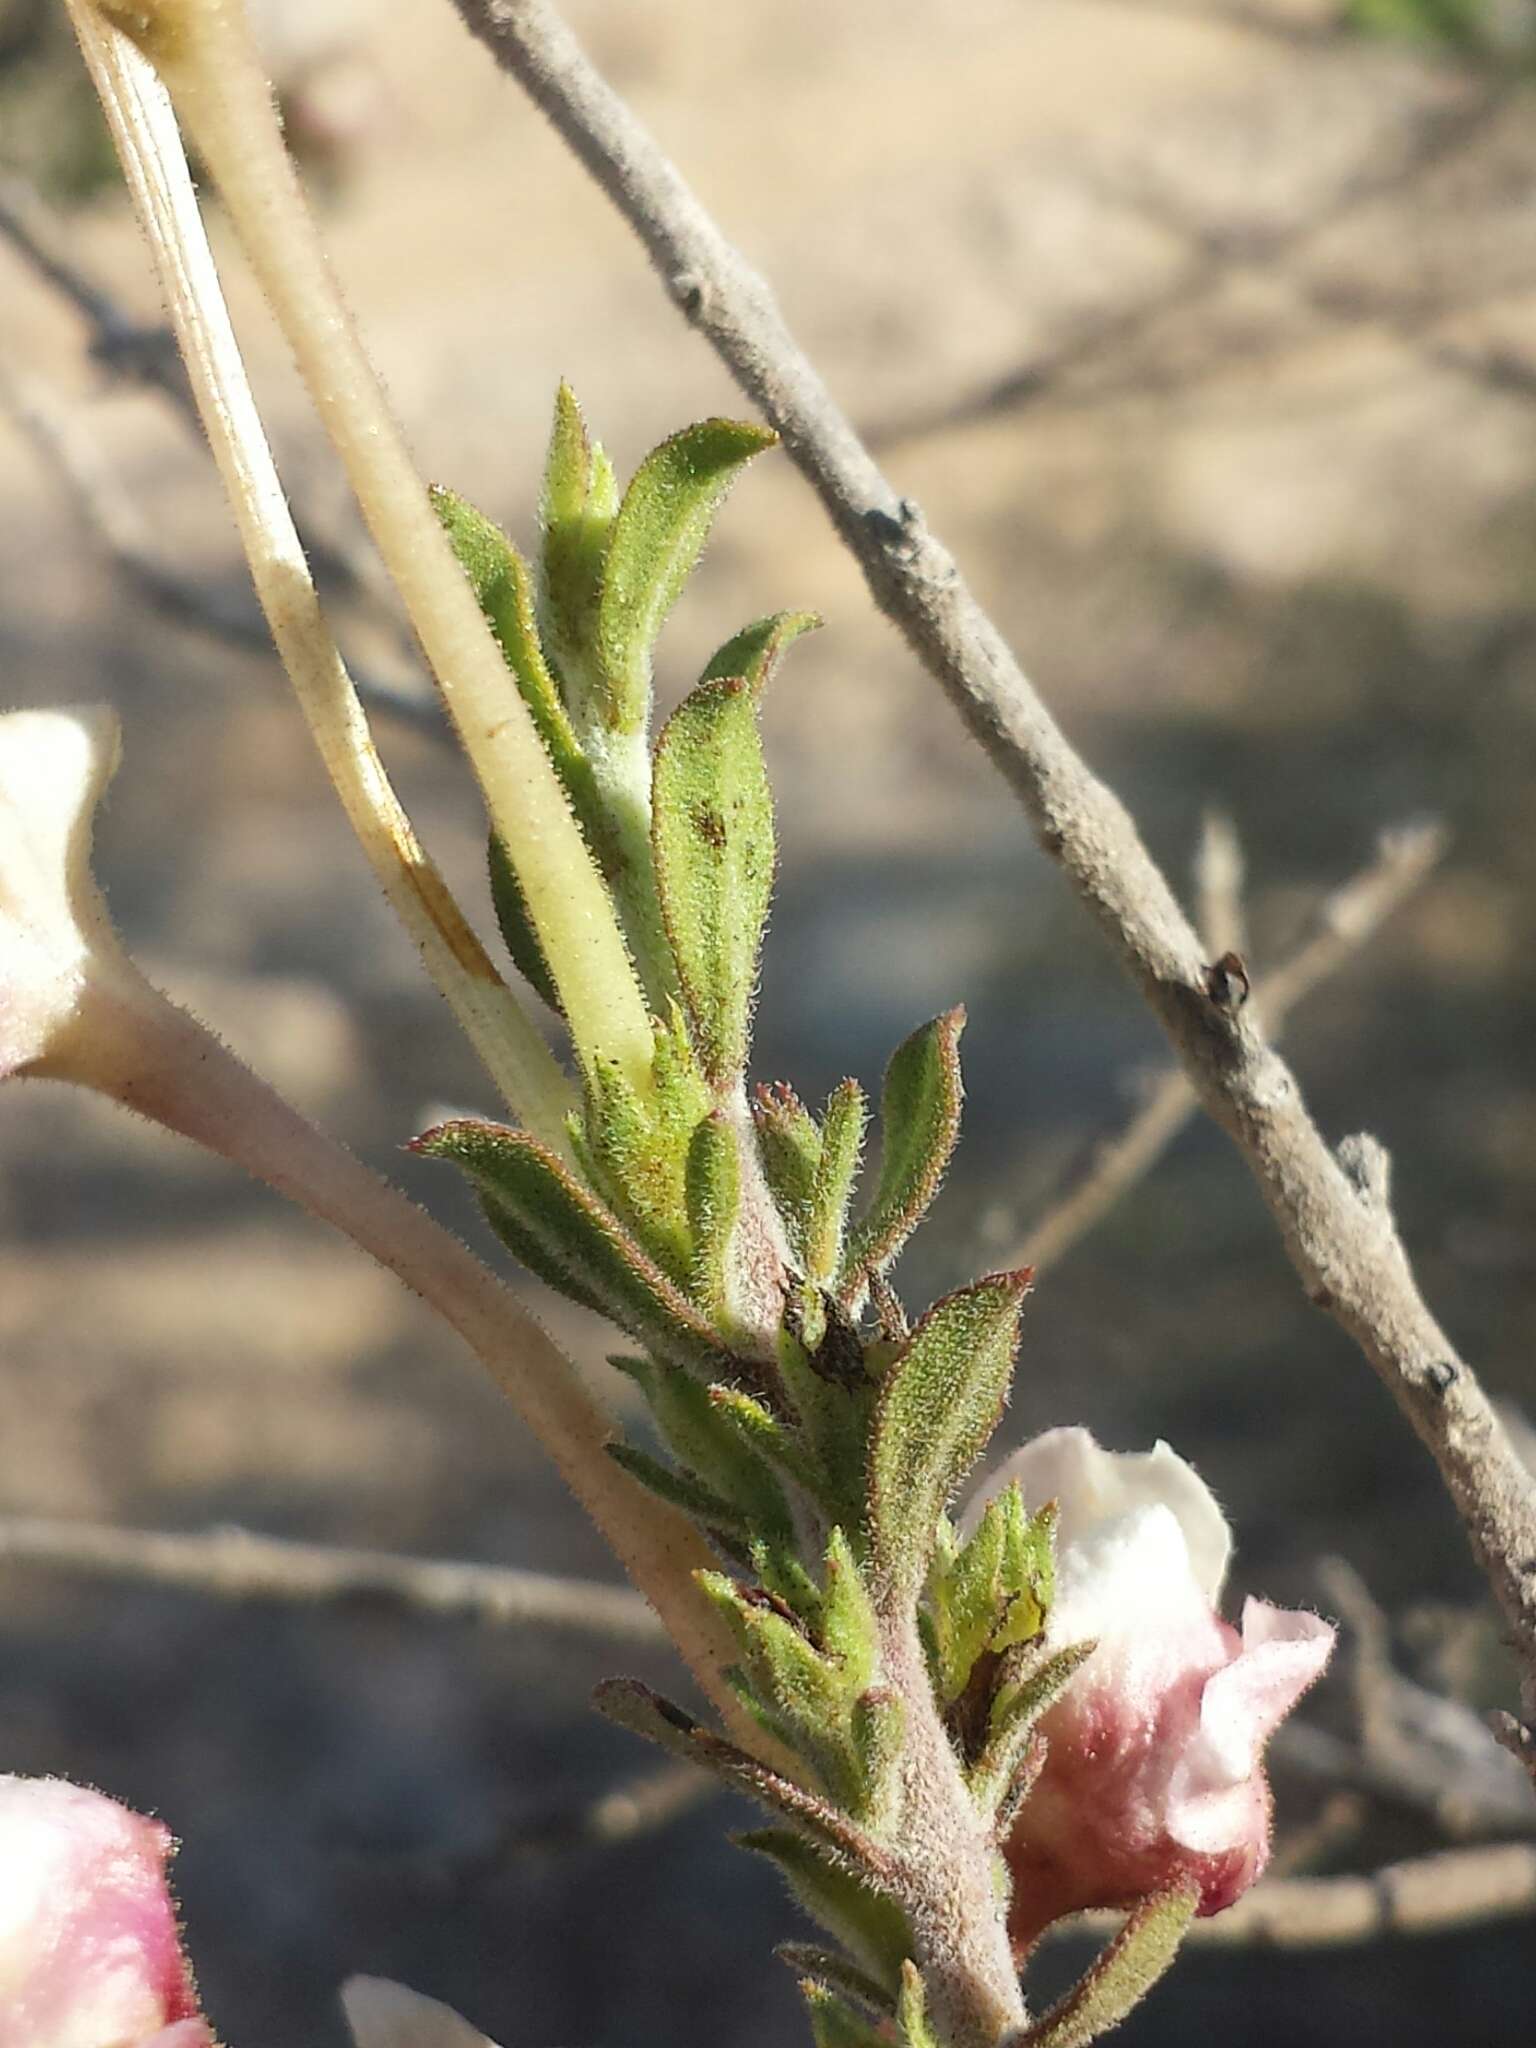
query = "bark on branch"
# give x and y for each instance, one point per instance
(1342, 1242)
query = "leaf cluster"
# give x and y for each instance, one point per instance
(795, 1415)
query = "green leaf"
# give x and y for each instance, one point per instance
(1121, 1977)
(714, 1207)
(809, 1678)
(842, 1142)
(781, 1573)
(912, 2011)
(871, 1926)
(515, 921)
(850, 1629)
(919, 1122)
(939, 1403)
(657, 538)
(563, 1233)
(634, 1706)
(992, 1593)
(700, 1434)
(577, 511)
(837, 2024)
(503, 588)
(1028, 1571)
(967, 1603)
(637, 1151)
(712, 837)
(798, 1693)
(754, 653)
(770, 1437)
(681, 1490)
(832, 1403)
(879, 1725)
(1032, 1681)
(789, 1146)
(837, 1972)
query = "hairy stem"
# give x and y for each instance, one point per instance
(500, 1030)
(1351, 1262)
(130, 1042)
(204, 53)
(946, 1861)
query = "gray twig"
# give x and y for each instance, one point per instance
(1347, 1254)
(1425, 1895)
(1347, 919)
(234, 1564)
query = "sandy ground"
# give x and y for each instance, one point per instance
(1211, 353)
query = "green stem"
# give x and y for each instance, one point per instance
(144, 130)
(204, 52)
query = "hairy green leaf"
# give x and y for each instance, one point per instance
(634, 1706)
(657, 538)
(1121, 1977)
(878, 1727)
(682, 1490)
(754, 653)
(991, 1593)
(837, 2024)
(637, 1151)
(712, 837)
(1032, 1680)
(837, 1972)
(850, 1630)
(919, 1122)
(700, 1434)
(797, 1692)
(769, 1436)
(832, 1402)
(966, 1603)
(842, 1142)
(499, 577)
(564, 1234)
(870, 1925)
(714, 1208)
(577, 510)
(515, 921)
(789, 1145)
(912, 2011)
(939, 1403)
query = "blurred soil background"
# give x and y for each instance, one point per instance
(1208, 341)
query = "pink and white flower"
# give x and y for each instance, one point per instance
(1154, 1771)
(90, 1950)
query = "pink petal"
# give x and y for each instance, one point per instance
(90, 1952)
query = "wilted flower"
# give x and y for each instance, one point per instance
(1154, 1774)
(90, 1952)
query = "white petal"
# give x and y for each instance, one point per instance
(1093, 1487)
(1283, 1654)
(54, 766)
(382, 2014)
(54, 769)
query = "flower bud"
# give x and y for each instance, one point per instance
(1153, 1775)
(90, 1952)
